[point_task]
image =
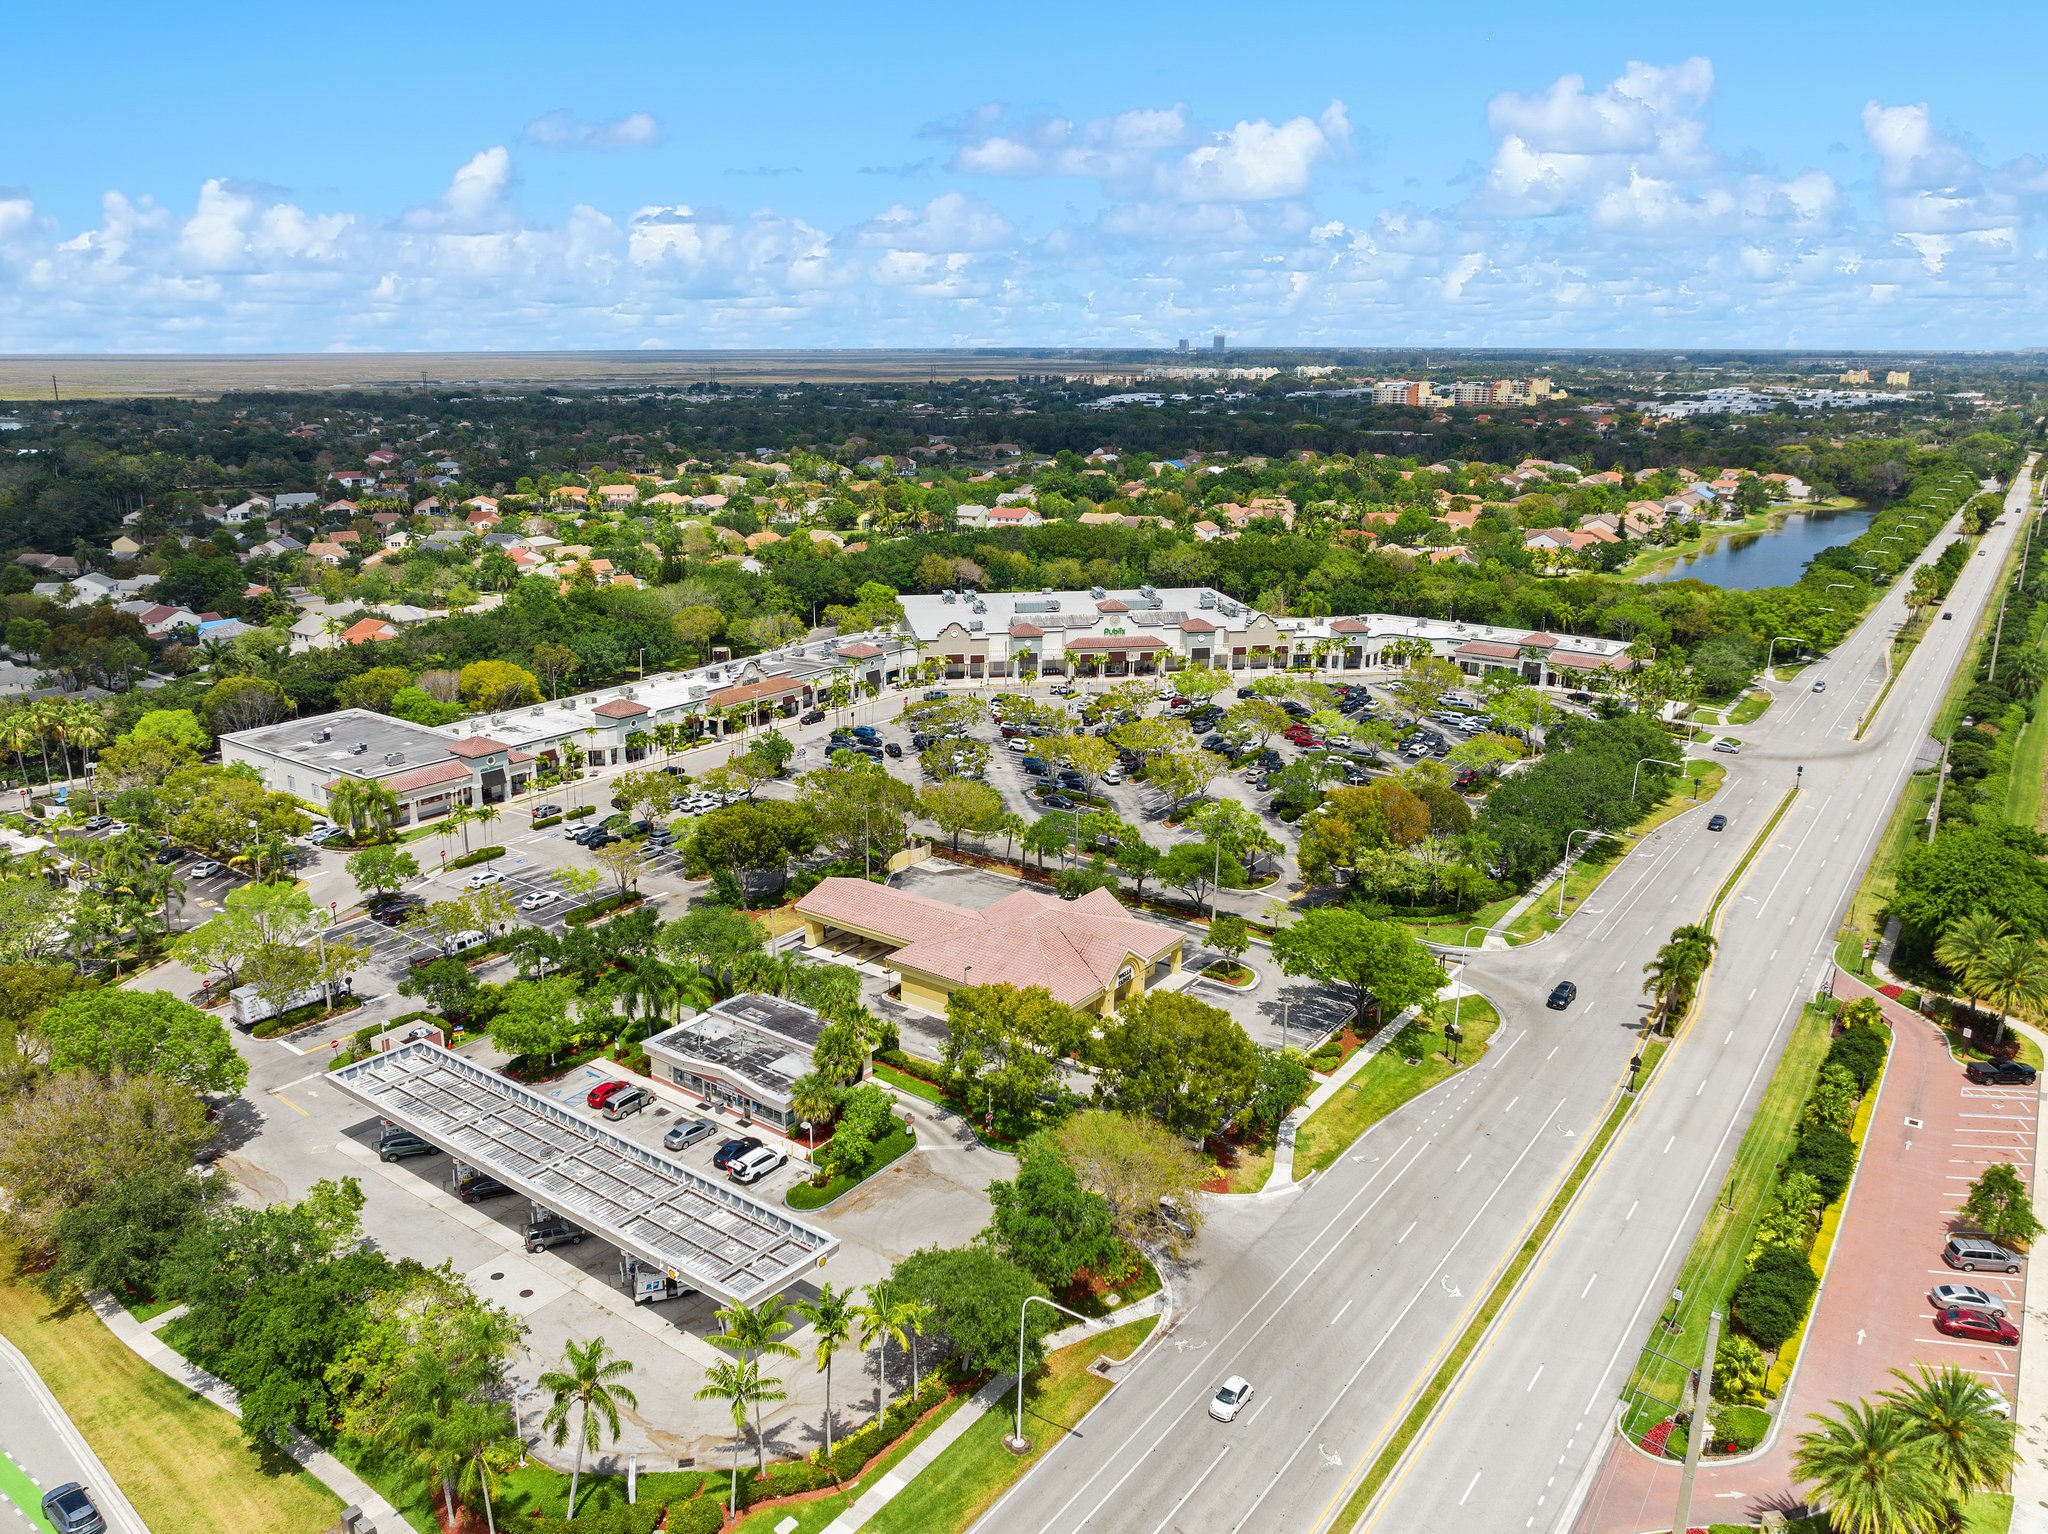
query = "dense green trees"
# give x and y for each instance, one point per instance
(1380, 967)
(140, 1033)
(1179, 1060)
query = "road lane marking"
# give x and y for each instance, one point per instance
(1631, 1212)
(1589, 1286)
(1341, 1309)
(1470, 1484)
(301, 1112)
(1533, 1379)
(1191, 1490)
(1405, 1234)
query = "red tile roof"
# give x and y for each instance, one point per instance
(475, 745)
(753, 692)
(620, 708)
(860, 651)
(1023, 630)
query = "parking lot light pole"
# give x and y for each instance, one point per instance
(1016, 1442)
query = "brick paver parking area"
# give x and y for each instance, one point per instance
(1931, 1135)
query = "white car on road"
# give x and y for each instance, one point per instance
(1231, 1398)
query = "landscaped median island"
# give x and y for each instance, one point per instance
(1760, 1253)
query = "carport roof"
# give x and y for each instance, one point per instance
(714, 1237)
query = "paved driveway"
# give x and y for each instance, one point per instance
(1931, 1135)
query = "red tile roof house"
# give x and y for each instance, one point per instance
(1013, 516)
(368, 631)
(1090, 953)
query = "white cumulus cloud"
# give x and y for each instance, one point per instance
(562, 129)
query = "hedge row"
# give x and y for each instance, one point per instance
(604, 905)
(580, 811)
(1770, 1304)
(547, 820)
(481, 855)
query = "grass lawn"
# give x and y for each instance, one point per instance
(1749, 707)
(180, 1459)
(1386, 1082)
(1254, 1169)
(2029, 767)
(1663, 556)
(1966, 1049)
(1453, 930)
(1987, 1512)
(887, 1149)
(536, 1489)
(1007, 1131)
(816, 1514)
(1720, 1252)
(1598, 859)
(962, 1483)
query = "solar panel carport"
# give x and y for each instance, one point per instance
(712, 1236)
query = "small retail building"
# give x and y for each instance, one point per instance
(746, 1053)
(1090, 953)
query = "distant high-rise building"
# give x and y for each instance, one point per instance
(1896, 379)
(1856, 376)
(1183, 343)
(1216, 343)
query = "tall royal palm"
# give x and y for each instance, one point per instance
(742, 1388)
(1876, 1473)
(2013, 977)
(755, 1333)
(1959, 1415)
(883, 1319)
(831, 1318)
(481, 1432)
(590, 1386)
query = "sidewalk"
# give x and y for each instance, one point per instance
(1930, 1133)
(989, 1398)
(337, 1477)
(1283, 1154)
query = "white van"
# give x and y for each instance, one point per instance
(462, 942)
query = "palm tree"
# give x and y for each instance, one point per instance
(648, 988)
(483, 1432)
(357, 803)
(882, 1321)
(1876, 1472)
(590, 1385)
(916, 1315)
(739, 1385)
(1010, 825)
(484, 814)
(17, 729)
(1965, 944)
(755, 1332)
(813, 1100)
(436, 1451)
(831, 1318)
(2013, 978)
(1957, 1412)
(1673, 975)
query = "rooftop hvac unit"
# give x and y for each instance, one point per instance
(975, 627)
(1147, 591)
(1097, 592)
(946, 597)
(324, 736)
(359, 748)
(393, 758)
(629, 693)
(1053, 606)
(1206, 599)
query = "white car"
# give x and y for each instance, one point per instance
(205, 868)
(756, 1164)
(1231, 1398)
(1968, 1296)
(1020, 744)
(1113, 775)
(483, 878)
(539, 900)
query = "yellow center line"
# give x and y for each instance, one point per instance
(301, 1112)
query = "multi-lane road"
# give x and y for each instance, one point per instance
(1338, 1298)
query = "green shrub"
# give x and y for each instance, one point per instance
(547, 820)
(481, 855)
(633, 1518)
(914, 1065)
(604, 905)
(580, 811)
(1739, 1371)
(705, 1515)
(1828, 1155)
(1737, 1429)
(1772, 1298)
(1861, 1052)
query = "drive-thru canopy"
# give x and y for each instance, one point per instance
(712, 1236)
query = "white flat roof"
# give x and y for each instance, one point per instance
(708, 1233)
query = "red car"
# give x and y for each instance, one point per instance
(1981, 1326)
(604, 1092)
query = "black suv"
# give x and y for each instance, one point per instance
(1563, 996)
(2001, 1073)
(732, 1150)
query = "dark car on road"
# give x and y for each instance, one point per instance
(1718, 823)
(732, 1150)
(2001, 1073)
(392, 910)
(1055, 801)
(892, 749)
(1562, 995)
(70, 1510)
(812, 716)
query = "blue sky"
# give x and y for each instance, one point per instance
(443, 176)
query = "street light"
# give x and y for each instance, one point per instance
(1771, 654)
(1637, 780)
(1016, 1442)
(1565, 877)
(806, 1125)
(1458, 1001)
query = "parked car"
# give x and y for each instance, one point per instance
(1562, 995)
(812, 716)
(756, 1164)
(1968, 1296)
(548, 1229)
(539, 900)
(1019, 743)
(395, 911)
(2003, 1073)
(70, 1510)
(1728, 747)
(484, 878)
(473, 1187)
(893, 750)
(1971, 1253)
(395, 1144)
(605, 1093)
(1230, 1399)
(1978, 1325)
(1054, 801)
(732, 1150)
(205, 868)
(1717, 823)
(98, 822)
(542, 811)
(686, 1134)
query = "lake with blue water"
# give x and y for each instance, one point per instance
(1773, 557)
